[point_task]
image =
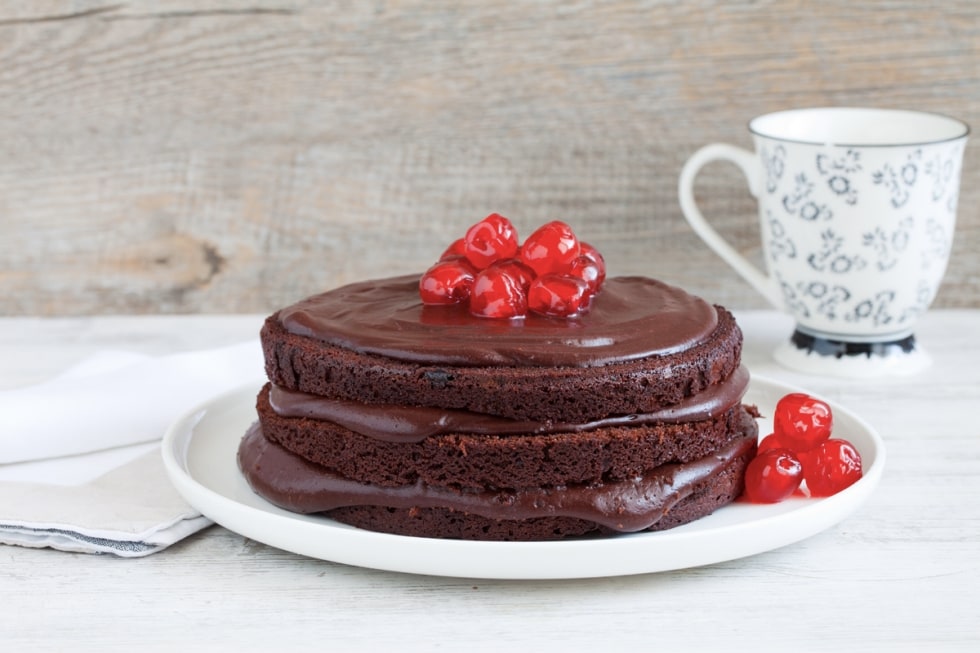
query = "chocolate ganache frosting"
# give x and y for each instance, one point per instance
(415, 423)
(295, 484)
(631, 318)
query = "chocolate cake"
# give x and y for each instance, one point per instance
(392, 415)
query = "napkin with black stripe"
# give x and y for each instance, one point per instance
(80, 464)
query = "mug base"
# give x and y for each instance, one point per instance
(854, 360)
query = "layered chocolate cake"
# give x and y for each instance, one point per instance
(397, 415)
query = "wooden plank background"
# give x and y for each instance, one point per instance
(231, 156)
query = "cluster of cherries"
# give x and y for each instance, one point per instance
(800, 449)
(552, 273)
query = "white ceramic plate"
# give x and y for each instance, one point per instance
(199, 453)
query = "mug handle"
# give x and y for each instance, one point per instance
(749, 164)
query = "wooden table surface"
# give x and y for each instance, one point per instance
(903, 573)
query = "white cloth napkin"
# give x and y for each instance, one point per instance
(80, 467)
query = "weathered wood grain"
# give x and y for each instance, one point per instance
(228, 156)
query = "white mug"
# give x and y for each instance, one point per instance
(857, 209)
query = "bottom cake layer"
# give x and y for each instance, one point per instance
(446, 523)
(665, 497)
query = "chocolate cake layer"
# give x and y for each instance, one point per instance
(688, 490)
(643, 346)
(469, 461)
(445, 523)
(415, 423)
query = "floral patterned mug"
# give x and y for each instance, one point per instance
(857, 209)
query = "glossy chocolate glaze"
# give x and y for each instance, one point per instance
(294, 484)
(414, 424)
(630, 318)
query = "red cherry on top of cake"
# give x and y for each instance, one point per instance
(447, 282)
(552, 273)
(551, 248)
(491, 239)
(497, 293)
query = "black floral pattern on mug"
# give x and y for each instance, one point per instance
(838, 173)
(779, 243)
(941, 170)
(898, 181)
(798, 202)
(829, 298)
(802, 187)
(938, 243)
(812, 211)
(775, 165)
(793, 302)
(830, 258)
(875, 309)
(923, 297)
(888, 247)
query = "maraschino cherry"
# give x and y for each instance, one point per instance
(830, 467)
(772, 476)
(801, 421)
(449, 281)
(551, 248)
(491, 239)
(551, 273)
(801, 449)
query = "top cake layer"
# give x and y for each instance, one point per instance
(631, 318)
(642, 347)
